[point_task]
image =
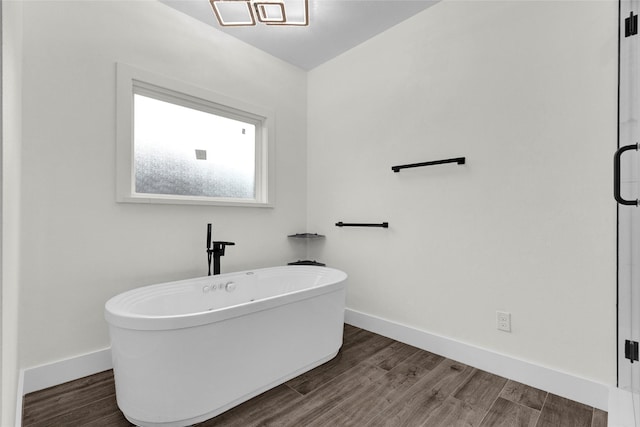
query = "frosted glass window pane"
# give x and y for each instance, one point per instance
(187, 152)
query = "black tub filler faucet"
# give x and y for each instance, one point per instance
(215, 250)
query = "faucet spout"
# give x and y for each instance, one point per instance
(218, 251)
(215, 250)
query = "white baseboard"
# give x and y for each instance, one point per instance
(44, 376)
(62, 371)
(569, 386)
(20, 393)
(575, 388)
(621, 408)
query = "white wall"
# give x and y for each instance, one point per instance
(11, 152)
(527, 92)
(79, 246)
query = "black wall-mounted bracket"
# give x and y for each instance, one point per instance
(306, 236)
(353, 224)
(458, 160)
(631, 25)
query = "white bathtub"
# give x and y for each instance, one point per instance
(186, 351)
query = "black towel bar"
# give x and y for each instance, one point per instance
(352, 224)
(458, 160)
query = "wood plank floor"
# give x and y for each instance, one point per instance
(373, 381)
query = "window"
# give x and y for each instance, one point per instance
(188, 152)
(182, 144)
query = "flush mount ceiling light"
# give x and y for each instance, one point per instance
(271, 12)
(243, 13)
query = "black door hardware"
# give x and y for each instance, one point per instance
(631, 350)
(616, 176)
(631, 25)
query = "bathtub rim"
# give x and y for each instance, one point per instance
(121, 319)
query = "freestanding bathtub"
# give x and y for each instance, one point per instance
(186, 351)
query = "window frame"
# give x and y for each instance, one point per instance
(131, 81)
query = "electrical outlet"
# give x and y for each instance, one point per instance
(503, 319)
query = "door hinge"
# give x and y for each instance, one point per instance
(631, 350)
(631, 25)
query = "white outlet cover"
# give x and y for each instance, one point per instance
(503, 319)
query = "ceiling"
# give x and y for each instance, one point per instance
(335, 26)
